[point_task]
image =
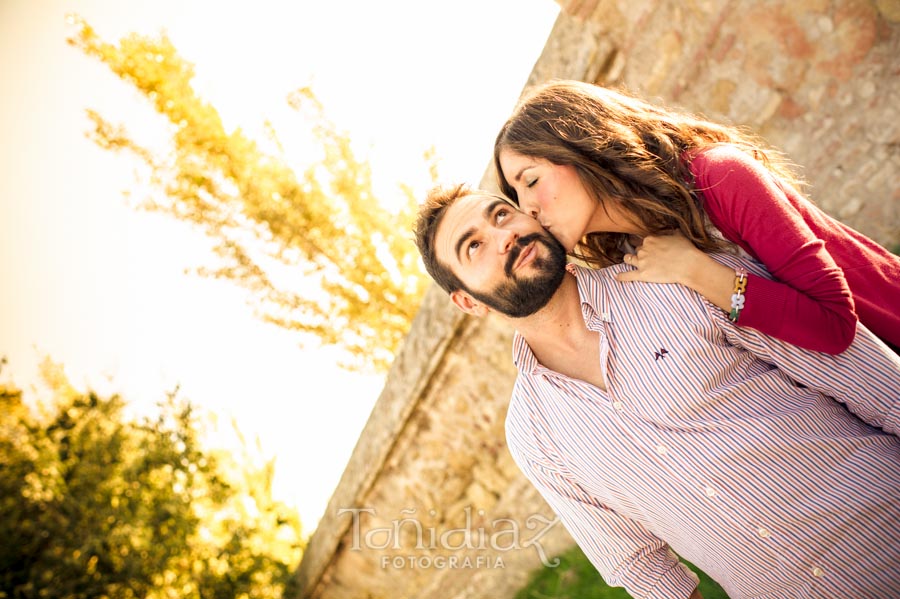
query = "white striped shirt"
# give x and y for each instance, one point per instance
(754, 473)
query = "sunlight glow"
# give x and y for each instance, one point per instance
(101, 287)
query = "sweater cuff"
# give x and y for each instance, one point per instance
(769, 309)
(760, 296)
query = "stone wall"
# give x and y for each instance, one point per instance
(817, 78)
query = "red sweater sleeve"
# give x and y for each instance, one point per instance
(809, 304)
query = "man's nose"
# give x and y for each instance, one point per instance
(505, 239)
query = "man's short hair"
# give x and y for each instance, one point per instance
(431, 212)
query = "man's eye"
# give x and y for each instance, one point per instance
(473, 245)
(502, 213)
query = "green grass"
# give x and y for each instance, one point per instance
(576, 578)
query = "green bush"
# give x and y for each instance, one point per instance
(96, 504)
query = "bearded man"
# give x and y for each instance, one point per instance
(651, 423)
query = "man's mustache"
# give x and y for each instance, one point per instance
(517, 250)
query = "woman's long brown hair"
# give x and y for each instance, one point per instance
(627, 151)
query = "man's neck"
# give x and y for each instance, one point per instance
(559, 338)
(558, 325)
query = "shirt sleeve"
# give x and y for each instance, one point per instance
(809, 303)
(622, 550)
(865, 377)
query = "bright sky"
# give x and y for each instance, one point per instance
(100, 286)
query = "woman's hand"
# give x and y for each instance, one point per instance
(674, 259)
(666, 259)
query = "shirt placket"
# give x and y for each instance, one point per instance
(664, 453)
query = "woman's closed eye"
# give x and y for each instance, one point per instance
(531, 183)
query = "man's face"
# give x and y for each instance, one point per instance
(506, 260)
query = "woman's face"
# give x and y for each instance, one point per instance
(555, 195)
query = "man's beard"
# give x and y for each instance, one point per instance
(517, 297)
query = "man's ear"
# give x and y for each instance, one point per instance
(468, 304)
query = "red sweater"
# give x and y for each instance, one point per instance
(817, 261)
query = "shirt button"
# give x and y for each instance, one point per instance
(763, 533)
(818, 572)
(661, 449)
(617, 405)
(710, 492)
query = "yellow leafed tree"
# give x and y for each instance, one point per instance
(317, 249)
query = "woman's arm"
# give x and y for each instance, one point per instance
(809, 304)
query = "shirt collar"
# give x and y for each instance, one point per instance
(596, 302)
(523, 358)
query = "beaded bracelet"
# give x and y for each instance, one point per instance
(738, 298)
